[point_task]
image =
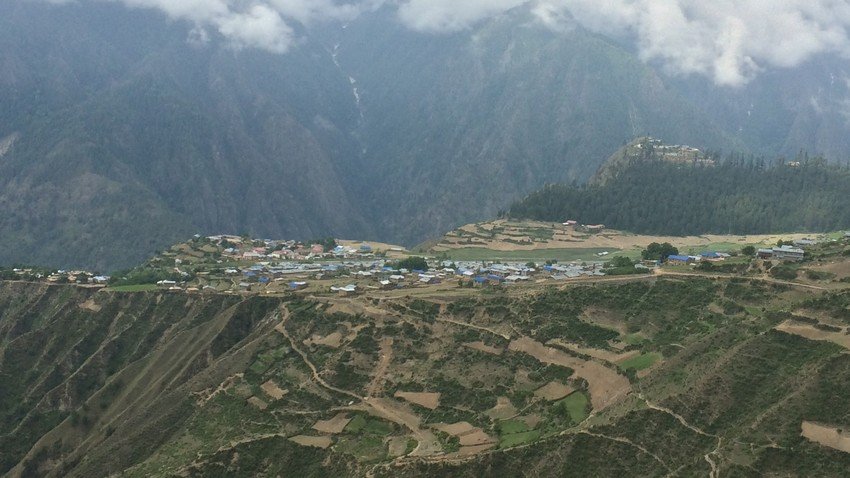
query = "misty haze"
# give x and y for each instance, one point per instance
(424, 238)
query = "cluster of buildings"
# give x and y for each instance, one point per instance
(240, 248)
(592, 228)
(63, 276)
(782, 253)
(354, 276)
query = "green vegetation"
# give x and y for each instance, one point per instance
(658, 252)
(413, 263)
(576, 407)
(737, 196)
(640, 362)
(516, 439)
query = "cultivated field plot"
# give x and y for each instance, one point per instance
(687, 375)
(532, 240)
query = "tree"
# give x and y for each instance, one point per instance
(413, 263)
(621, 261)
(657, 252)
(748, 250)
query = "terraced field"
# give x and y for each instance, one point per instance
(637, 378)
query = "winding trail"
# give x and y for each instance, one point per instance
(282, 329)
(381, 370)
(630, 443)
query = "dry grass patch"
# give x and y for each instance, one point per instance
(429, 400)
(91, 305)
(259, 403)
(503, 410)
(826, 435)
(271, 389)
(476, 437)
(334, 426)
(813, 333)
(333, 340)
(455, 429)
(316, 442)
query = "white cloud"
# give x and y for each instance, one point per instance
(451, 15)
(729, 41)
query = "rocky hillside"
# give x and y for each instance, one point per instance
(647, 377)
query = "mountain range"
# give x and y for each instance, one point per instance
(121, 133)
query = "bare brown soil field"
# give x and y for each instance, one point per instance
(553, 391)
(429, 400)
(504, 409)
(396, 446)
(317, 442)
(605, 385)
(392, 251)
(333, 340)
(831, 436)
(475, 438)
(482, 347)
(91, 305)
(273, 390)
(455, 429)
(400, 413)
(334, 426)
(813, 333)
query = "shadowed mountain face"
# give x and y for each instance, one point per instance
(118, 136)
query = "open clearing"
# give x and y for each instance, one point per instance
(476, 438)
(317, 442)
(273, 390)
(455, 429)
(504, 409)
(606, 386)
(553, 391)
(482, 347)
(397, 446)
(334, 340)
(826, 435)
(428, 400)
(91, 305)
(532, 240)
(334, 426)
(259, 403)
(811, 332)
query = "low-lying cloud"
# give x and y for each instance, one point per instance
(730, 41)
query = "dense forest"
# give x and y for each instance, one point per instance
(740, 196)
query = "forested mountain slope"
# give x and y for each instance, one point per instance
(740, 196)
(121, 133)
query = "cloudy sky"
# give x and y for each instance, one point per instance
(729, 41)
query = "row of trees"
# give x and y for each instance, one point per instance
(740, 197)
